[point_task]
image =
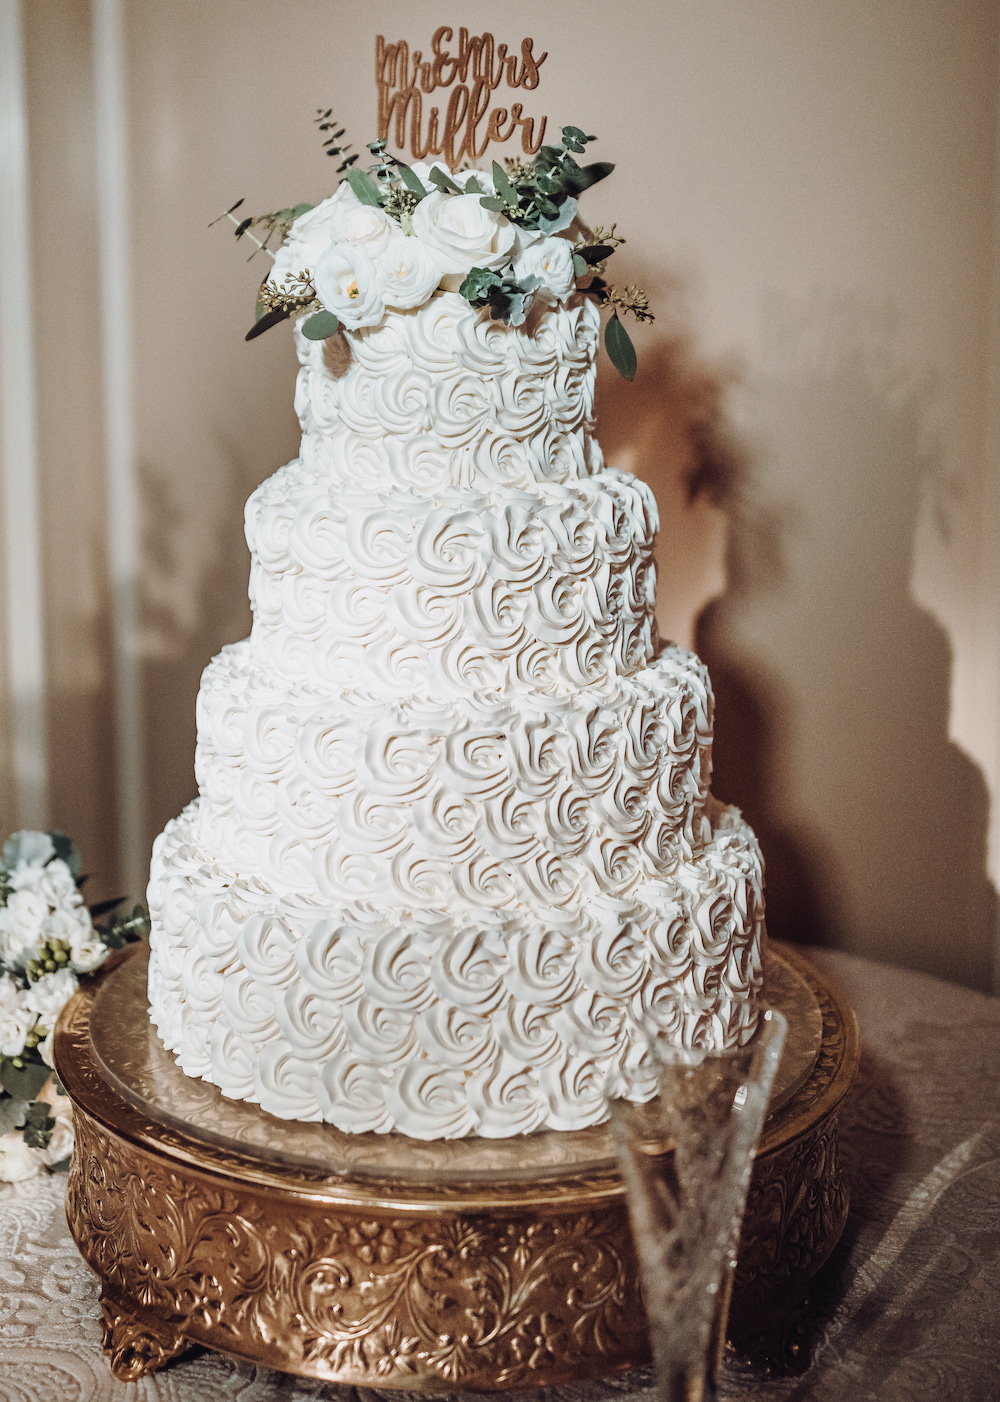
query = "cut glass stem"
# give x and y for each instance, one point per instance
(686, 1155)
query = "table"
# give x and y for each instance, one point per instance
(908, 1307)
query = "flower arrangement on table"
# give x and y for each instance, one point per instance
(48, 940)
(394, 235)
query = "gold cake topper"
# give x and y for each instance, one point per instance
(472, 73)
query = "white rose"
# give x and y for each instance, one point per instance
(22, 918)
(313, 232)
(10, 943)
(28, 849)
(16, 1017)
(50, 995)
(463, 232)
(410, 273)
(347, 284)
(17, 1161)
(57, 885)
(364, 226)
(551, 259)
(68, 924)
(87, 951)
(311, 235)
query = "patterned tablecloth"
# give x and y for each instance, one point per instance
(907, 1308)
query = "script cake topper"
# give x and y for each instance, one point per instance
(473, 73)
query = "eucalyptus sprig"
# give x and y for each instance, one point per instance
(382, 169)
(330, 145)
(280, 222)
(543, 195)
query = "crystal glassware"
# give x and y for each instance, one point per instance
(685, 1123)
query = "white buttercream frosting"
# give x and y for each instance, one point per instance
(454, 838)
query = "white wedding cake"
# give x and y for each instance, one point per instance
(453, 839)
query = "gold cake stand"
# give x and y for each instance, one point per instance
(382, 1261)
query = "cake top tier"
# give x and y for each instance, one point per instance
(392, 237)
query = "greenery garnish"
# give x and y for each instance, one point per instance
(330, 144)
(539, 197)
(620, 348)
(506, 298)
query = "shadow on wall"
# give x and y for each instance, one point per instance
(832, 685)
(184, 628)
(664, 428)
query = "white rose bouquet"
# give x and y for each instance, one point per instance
(394, 236)
(48, 939)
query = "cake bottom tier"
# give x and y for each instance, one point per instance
(442, 1022)
(371, 1261)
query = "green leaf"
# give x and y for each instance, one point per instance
(580, 178)
(595, 252)
(491, 202)
(502, 185)
(13, 1114)
(62, 1166)
(620, 348)
(443, 181)
(411, 180)
(268, 320)
(579, 266)
(102, 907)
(562, 219)
(65, 851)
(320, 325)
(125, 930)
(364, 187)
(23, 1082)
(477, 284)
(301, 209)
(472, 186)
(38, 1126)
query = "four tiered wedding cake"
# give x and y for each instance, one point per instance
(454, 838)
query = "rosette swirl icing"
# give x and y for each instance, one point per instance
(453, 841)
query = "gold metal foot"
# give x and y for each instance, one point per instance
(137, 1344)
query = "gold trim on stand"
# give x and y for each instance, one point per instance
(377, 1260)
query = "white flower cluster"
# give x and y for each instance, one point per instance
(47, 938)
(361, 262)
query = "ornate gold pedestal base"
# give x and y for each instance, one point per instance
(376, 1260)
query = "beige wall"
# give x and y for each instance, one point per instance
(809, 192)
